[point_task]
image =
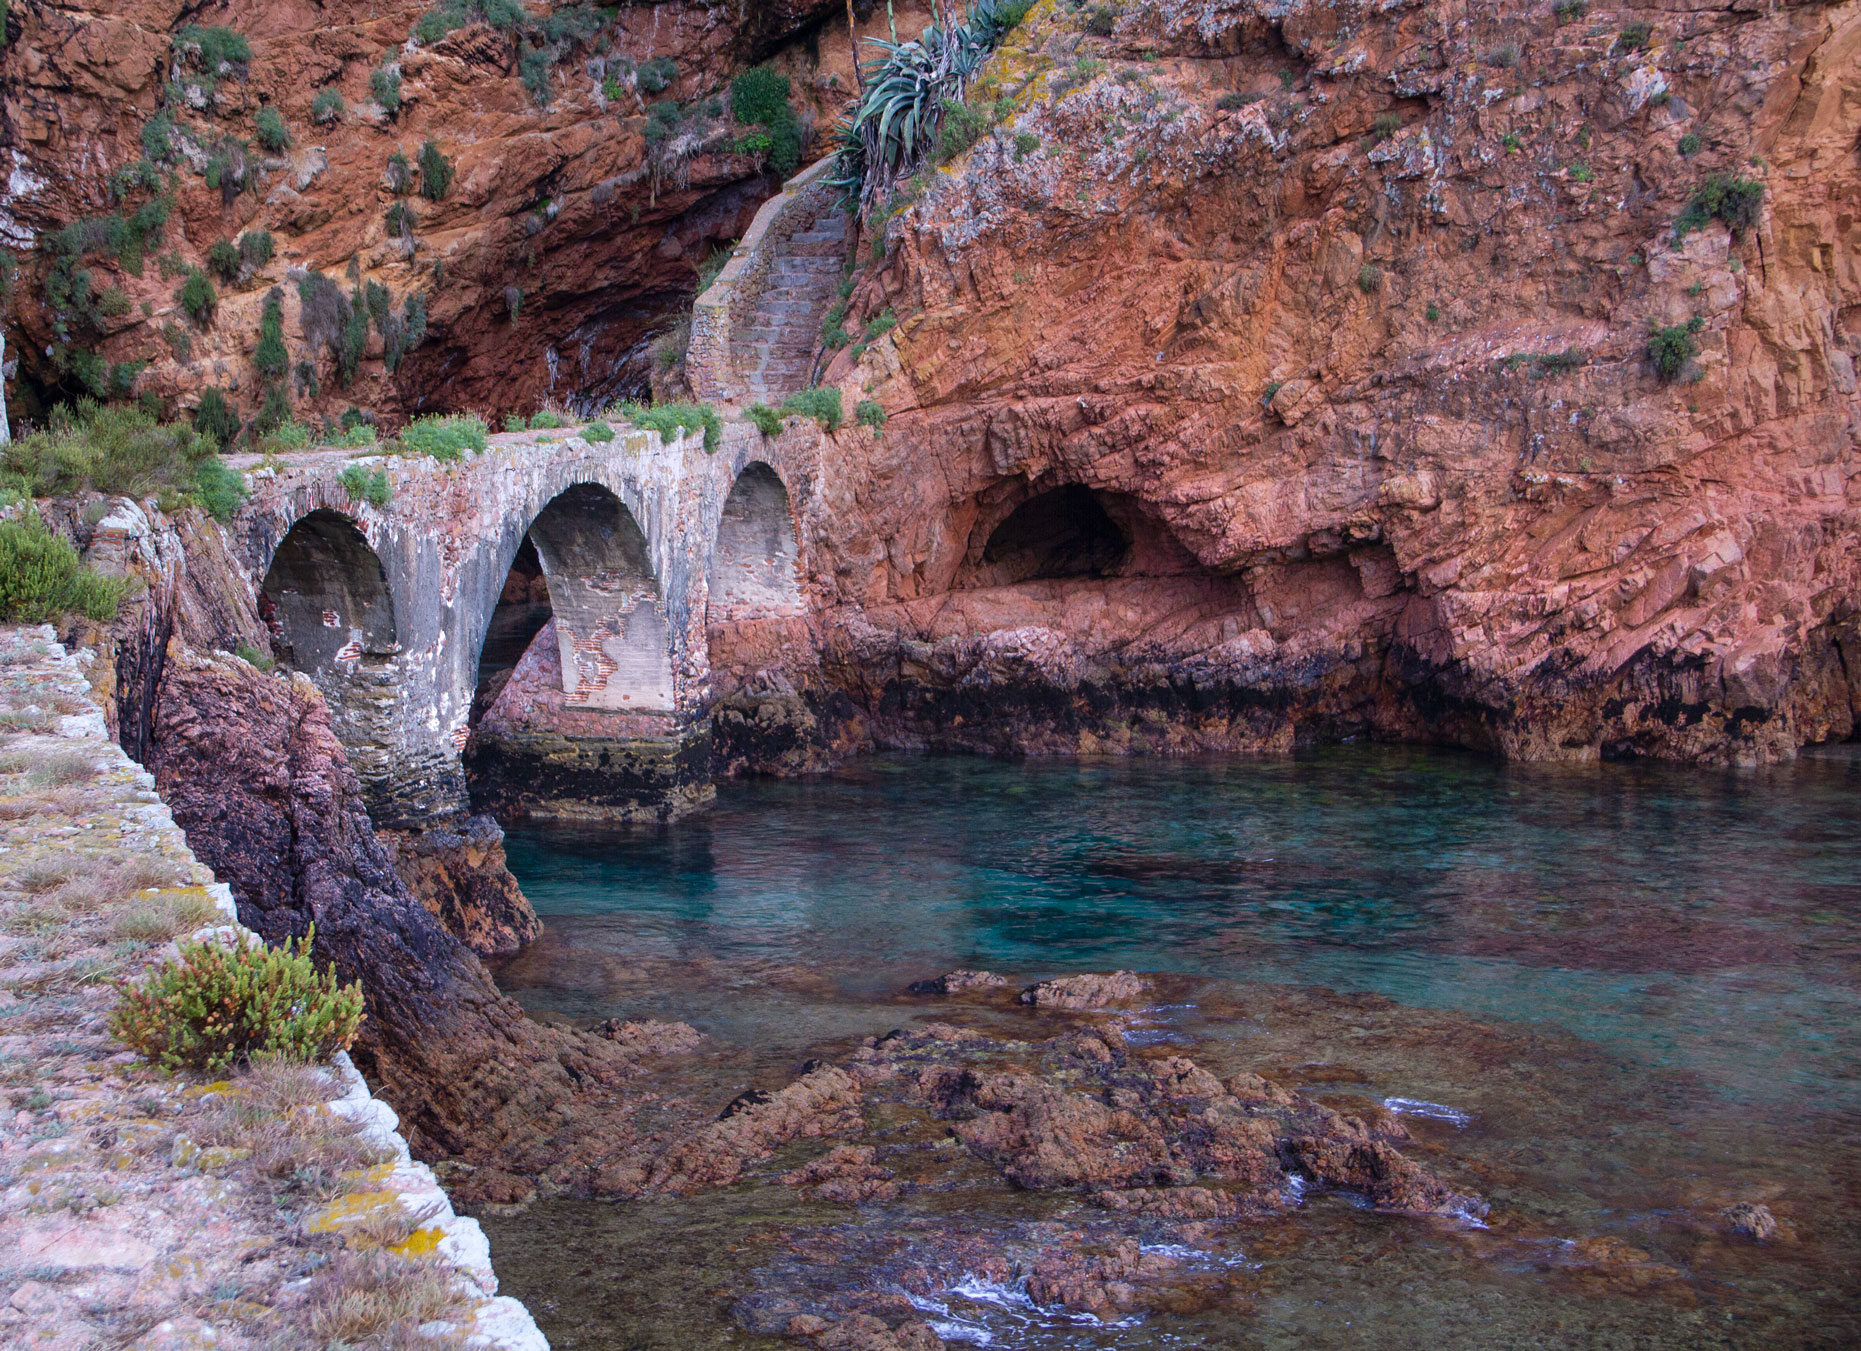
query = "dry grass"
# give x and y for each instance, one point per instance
(276, 1111)
(45, 875)
(375, 1299)
(164, 915)
(64, 771)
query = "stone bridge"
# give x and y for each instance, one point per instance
(426, 621)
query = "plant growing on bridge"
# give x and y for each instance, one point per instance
(598, 433)
(366, 485)
(221, 1005)
(821, 403)
(444, 438)
(41, 577)
(766, 419)
(669, 419)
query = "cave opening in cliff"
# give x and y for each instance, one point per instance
(325, 596)
(754, 562)
(1065, 532)
(520, 614)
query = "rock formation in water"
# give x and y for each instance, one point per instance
(1275, 372)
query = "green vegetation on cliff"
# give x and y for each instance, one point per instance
(41, 577)
(124, 451)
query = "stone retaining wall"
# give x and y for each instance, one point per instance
(115, 1227)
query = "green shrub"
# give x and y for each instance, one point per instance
(963, 125)
(1690, 144)
(1434, 314)
(255, 248)
(249, 654)
(218, 489)
(326, 107)
(224, 259)
(820, 403)
(354, 435)
(1582, 173)
(444, 438)
(1026, 143)
(113, 303)
(545, 420)
(765, 418)
(269, 357)
(1101, 19)
(366, 485)
(1569, 11)
(1634, 38)
(271, 131)
(1736, 201)
(41, 577)
(869, 413)
(215, 417)
(879, 326)
(759, 97)
(119, 449)
(385, 86)
(400, 174)
(513, 422)
(214, 47)
(1672, 347)
(435, 172)
(656, 76)
(598, 433)
(198, 297)
(669, 419)
(506, 15)
(1369, 279)
(1386, 125)
(222, 1005)
(533, 71)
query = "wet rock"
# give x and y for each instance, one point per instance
(1175, 1203)
(824, 1101)
(955, 982)
(459, 874)
(846, 1173)
(651, 1038)
(1751, 1221)
(1093, 991)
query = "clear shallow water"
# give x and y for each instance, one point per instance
(1638, 985)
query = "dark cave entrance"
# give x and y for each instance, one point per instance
(520, 614)
(1065, 532)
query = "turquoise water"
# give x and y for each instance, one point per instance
(1640, 986)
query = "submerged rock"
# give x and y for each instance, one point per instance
(1748, 1220)
(1093, 991)
(652, 1038)
(955, 982)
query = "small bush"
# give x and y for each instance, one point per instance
(385, 86)
(598, 433)
(255, 248)
(1512, 143)
(1233, 102)
(119, 449)
(1503, 57)
(327, 107)
(1369, 279)
(215, 417)
(544, 420)
(963, 125)
(1634, 38)
(223, 258)
(219, 490)
(219, 1006)
(158, 138)
(445, 438)
(656, 76)
(366, 485)
(1386, 125)
(41, 577)
(513, 422)
(271, 131)
(269, 357)
(766, 419)
(1434, 314)
(1582, 173)
(198, 297)
(869, 413)
(1569, 11)
(354, 435)
(1026, 143)
(533, 72)
(216, 46)
(435, 172)
(820, 403)
(1672, 347)
(1101, 19)
(669, 419)
(1736, 201)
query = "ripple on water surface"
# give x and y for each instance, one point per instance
(1622, 997)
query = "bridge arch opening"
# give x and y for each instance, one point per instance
(581, 612)
(325, 596)
(755, 562)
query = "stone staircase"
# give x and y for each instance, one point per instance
(773, 344)
(756, 329)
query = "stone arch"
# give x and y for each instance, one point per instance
(755, 560)
(325, 597)
(612, 633)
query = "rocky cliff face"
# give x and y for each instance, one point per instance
(1335, 320)
(569, 234)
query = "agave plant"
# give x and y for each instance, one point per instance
(894, 125)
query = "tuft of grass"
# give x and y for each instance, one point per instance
(820, 403)
(444, 438)
(766, 419)
(249, 654)
(366, 485)
(870, 413)
(1369, 279)
(164, 915)
(327, 107)
(668, 419)
(1690, 144)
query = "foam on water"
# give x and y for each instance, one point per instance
(1434, 1111)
